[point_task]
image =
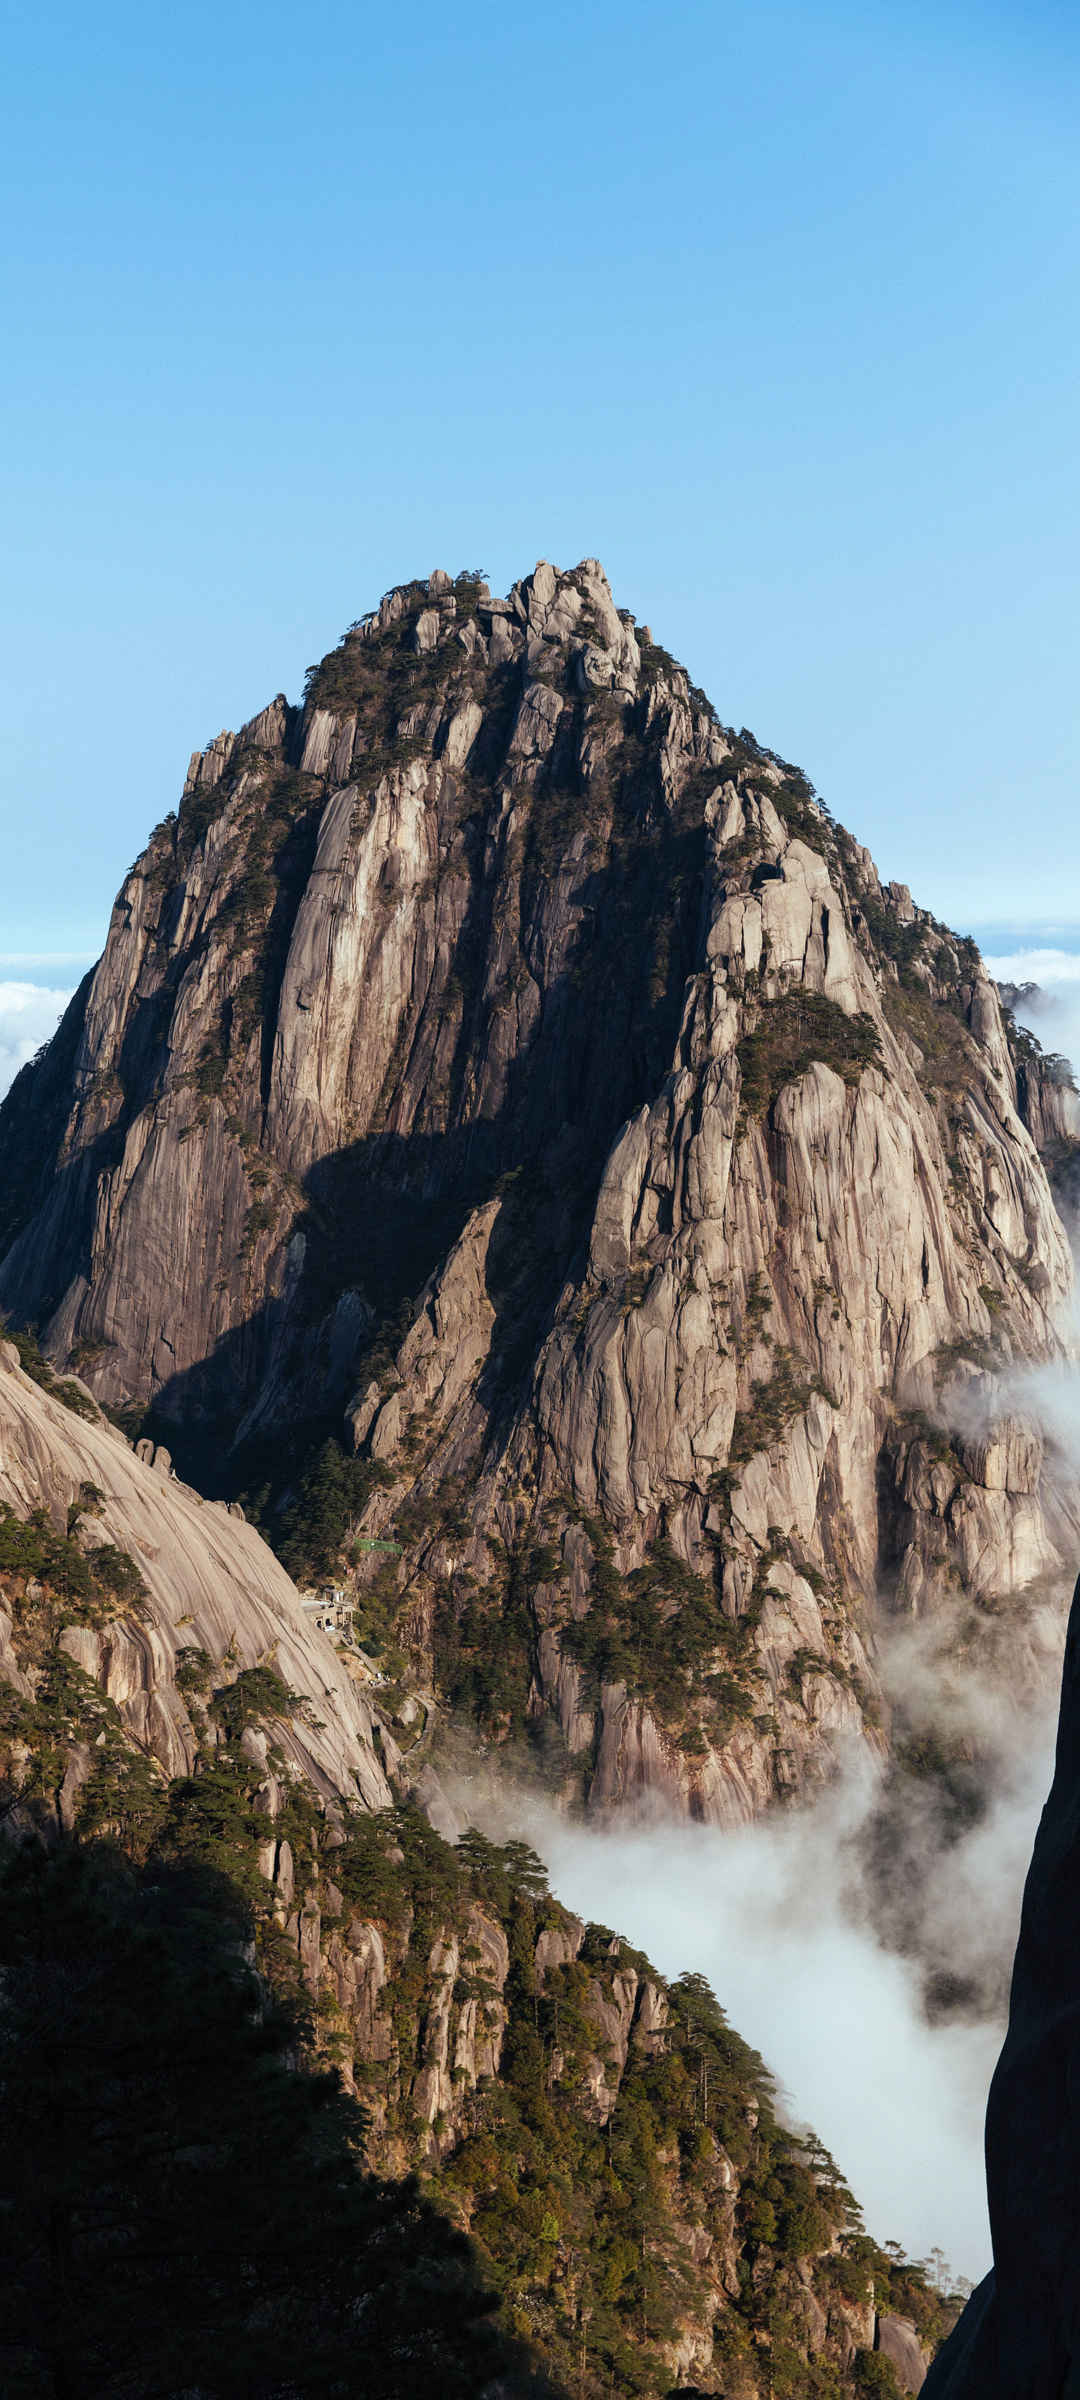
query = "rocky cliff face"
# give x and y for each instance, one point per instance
(1019, 2335)
(603, 2135)
(605, 2141)
(1046, 1084)
(501, 1061)
(157, 1593)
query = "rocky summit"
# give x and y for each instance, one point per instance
(523, 1244)
(512, 1121)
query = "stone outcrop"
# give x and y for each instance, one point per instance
(1019, 2337)
(1046, 1085)
(471, 2017)
(898, 2341)
(209, 1584)
(502, 1060)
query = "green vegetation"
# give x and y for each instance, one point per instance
(183, 2208)
(888, 934)
(875, 2376)
(790, 1035)
(34, 1363)
(378, 675)
(949, 1058)
(575, 2219)
(775, 1401)
(803, 811)
(973, 1350)
(87, 1586)
(255, 1694)
(1030, 1058)
(176, 2096)
(915, 1425)
(470, 588)
(661, 1631)
(323, 1511)
(262, 1214)
(485, 1645)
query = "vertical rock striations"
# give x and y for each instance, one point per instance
(501, 1062)
(196, 1588)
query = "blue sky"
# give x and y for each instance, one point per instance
(773, 307)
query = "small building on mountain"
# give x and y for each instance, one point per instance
(330, 1608)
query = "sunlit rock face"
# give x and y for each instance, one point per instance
(481, 2025)
(1019, 2337)
(504, 1063)
(209, 1584)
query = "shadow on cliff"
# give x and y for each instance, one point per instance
(33, 1119)
(380, 1215)
(379, 1220)
(183, 2204)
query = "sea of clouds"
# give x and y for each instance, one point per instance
(29, 1014)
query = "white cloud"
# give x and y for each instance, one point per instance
(766, 1916)
(822, 1942)
(1053, 1010)
(1036, 966)
(29, 1013)
(780, 1917)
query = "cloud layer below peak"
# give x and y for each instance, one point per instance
(29, 1013)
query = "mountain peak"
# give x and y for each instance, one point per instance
(508, 1073)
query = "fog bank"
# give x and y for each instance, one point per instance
(863, 1942)
(1051, 1010)
(29, 1015)
(775, 1917)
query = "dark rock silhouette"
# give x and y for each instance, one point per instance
(1019, 2336)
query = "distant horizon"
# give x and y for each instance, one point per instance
(995, 937)
(31, 1005)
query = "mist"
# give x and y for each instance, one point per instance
(779, 1917)
(29, 1015)
(863, 1943)
(1052, 1009)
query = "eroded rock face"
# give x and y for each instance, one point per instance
(1046, 1087)
(898, 2341)
(1019, 2337)
(501, 1058)
(211, 1584)
(452, 2051)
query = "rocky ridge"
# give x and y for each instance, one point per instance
(505, 1063)
(604, 2136)
(197, 1585)
(608, 2145)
